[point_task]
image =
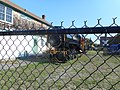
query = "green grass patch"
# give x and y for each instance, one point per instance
(89, 71)
(15, 61)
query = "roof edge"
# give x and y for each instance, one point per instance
(24, 11)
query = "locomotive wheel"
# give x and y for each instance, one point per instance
(60, 57)
(67, 58)
(72, 55)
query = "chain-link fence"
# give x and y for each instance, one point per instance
(59, 58)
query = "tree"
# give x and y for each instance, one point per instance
(115, 39)
(89, 43)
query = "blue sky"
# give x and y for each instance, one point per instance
(78, 10)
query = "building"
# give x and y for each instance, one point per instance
(13, 17)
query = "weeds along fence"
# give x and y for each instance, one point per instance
(26, 63)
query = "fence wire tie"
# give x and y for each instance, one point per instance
(85, 23)
(114, 20)
(62, 23)
(73, 23)
(99, 21)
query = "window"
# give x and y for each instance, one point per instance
(2, 12)
(6, 13)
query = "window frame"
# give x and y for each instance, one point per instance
(2, 11)
(7, 14)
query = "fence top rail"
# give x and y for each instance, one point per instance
(87, 30)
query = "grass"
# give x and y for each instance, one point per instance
(90, 71)
(11, 61)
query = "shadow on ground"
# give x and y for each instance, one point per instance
(41, 58)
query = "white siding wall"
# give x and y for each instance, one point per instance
(42, 47)
(13, 46)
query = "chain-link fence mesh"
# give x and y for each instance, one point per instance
(59, 58)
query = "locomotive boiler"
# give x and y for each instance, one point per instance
(63, 47)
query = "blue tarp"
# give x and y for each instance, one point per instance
(114, 49)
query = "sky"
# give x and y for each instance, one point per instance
(70, 10)
(57, 11)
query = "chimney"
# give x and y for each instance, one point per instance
(43, 16)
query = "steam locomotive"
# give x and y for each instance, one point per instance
(64, 47)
